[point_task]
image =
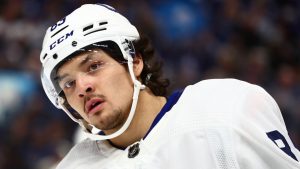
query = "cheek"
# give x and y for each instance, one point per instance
(121, 89)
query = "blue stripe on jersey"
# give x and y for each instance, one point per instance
(172, 100)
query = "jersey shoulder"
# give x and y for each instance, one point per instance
(85, 153)
(218, 85)
(208, 103)
(214, 96)
(233, 98)
(76, 154)
(218, 90)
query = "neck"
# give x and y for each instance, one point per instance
(147, 109)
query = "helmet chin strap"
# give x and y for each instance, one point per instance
(93, 132)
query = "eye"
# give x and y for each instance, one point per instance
(95, 66)
(69, 84)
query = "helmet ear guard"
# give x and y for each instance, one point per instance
(88, 25)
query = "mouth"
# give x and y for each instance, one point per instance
(93, 106)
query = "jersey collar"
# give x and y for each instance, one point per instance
(171, 101)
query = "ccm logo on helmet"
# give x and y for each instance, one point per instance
(61, 39)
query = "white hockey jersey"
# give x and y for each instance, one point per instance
(214, 124)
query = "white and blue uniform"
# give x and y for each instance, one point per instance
(214, 124)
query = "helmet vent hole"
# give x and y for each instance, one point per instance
(44, 57)
(87, 27)
(55, 56)
(102, 29)
(102, 23)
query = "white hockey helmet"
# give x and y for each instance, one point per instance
(87, 25)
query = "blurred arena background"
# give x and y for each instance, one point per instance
(257, 41)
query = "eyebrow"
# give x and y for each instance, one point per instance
(88, 57)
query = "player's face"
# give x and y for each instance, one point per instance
(98, 88)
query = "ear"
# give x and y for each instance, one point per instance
(138, 65)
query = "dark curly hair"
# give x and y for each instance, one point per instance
(152, 74)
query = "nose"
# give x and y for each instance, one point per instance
(84, 87)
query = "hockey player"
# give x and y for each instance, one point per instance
(102, 73)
